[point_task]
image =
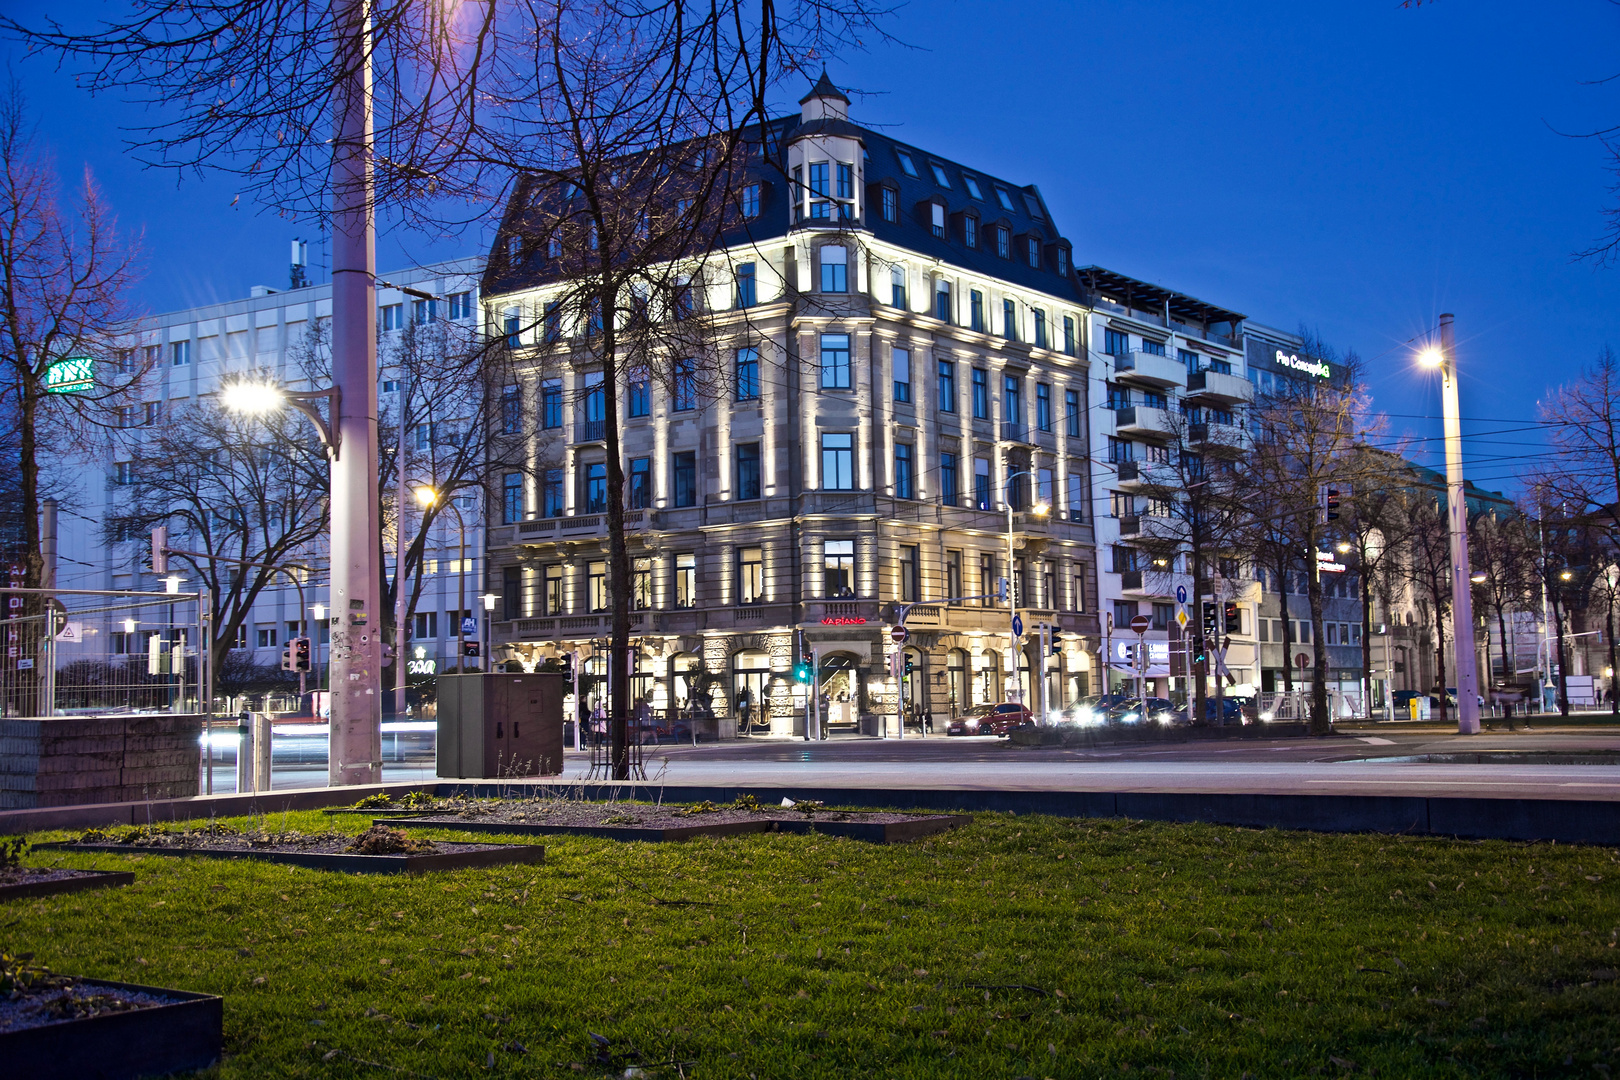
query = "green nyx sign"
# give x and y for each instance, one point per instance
(73, 375)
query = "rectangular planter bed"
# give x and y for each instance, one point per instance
(450, 857)
(852, 826)
(184, 1033)
(80, 881)
(651, 834)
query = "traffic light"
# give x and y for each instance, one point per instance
(801, 672)
(160, 550)
(1001, 590)
(299, 647)
(1233, 622)
(1211, 617)
(288, 661)
(1331, 503)
(1199, 655)
(908, 663)
(1057, 640)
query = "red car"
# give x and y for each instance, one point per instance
(997, 719)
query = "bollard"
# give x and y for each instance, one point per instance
(263, 742)
(244, 754)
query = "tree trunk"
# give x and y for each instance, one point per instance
(1614, 699)
(1198, 680)
(1321, 717)
(1287, 626)
(1563, 660)
(1509, 675)
(1365, 582)
(1440, 659)
(618, 552)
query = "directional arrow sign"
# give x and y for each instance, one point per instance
(1018, 626)
(1181, 594)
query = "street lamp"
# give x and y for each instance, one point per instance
(1040, 509)
(1444, 358)
(489, 613)
(429, 496)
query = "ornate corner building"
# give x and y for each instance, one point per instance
(903, 420)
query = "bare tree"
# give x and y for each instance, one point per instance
(1374, 524)
(1307, 436)
(65, 273)
(1503, 550)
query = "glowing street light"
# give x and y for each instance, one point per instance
(427, 496)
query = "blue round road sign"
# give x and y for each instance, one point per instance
(1181, 594)
(1018, 626)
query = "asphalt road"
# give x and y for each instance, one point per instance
(1372, 760)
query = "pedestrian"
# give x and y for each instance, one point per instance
(745, 707)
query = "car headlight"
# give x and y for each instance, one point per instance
(1268, 715)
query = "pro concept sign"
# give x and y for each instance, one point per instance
(1319, 368)
(74, 375)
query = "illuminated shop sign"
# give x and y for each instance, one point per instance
(1319, 368)
(844, 620)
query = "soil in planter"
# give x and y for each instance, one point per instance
(377, 840)
(32, 997)
(576, 814)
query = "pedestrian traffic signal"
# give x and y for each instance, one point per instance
(1211, 615)
(908, 665)
(1057, 640)
(1199, 655)
(1233, 621)
(801, 672)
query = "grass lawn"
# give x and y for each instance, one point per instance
(1019, 946)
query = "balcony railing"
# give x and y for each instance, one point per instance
(1130, 525)
(1014, 432)
(1130, 580)
(1128, 471)
(590, 431)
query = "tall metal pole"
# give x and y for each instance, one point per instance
(47, 550)
(400, 503)
(355, 748)
(1462, 597)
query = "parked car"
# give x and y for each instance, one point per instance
(1092, 710)
(996, 719)
(1231, 711)
(1402, 700)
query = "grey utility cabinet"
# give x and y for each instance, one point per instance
(499, 724)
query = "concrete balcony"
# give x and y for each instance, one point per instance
(1226, 439)
(1149, 369)
(1219, 386)
(1143, 476)
(580, 526)
(1143, 421)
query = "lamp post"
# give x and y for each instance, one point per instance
(489, 613)
(1462, 598)
(1040, 509)
(429, 496)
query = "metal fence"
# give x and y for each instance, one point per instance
(82, 653)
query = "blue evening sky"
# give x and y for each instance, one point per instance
(1356, 167)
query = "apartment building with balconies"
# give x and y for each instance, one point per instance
(905, 356)
(1168, 379)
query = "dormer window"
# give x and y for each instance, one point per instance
(972, 186)
(1034, 205)
(939, 175)
(1063, 261)
(970, 231)
(1033, 251)
(936, 219)
(891, 204)
(1003, 242)
(1003, 198)
(906, 163)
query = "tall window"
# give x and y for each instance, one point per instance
(748, 201)
(551, 494)
(746, 295)
(423, 311)
(1044, 490)
(460, 306)
(685, 579)
(1033, 250)
(976, 310)
(838, 568)
(904, 486)
(551, 593)
(551, 325)
(942, 301)
(835, 361)
(595, 406)
(981, 394)
(953, 573)
(1077, 497)
(748, 470)
(180, 353)
(686, 392)
(1188, 359)
(641, 584)
(948, 480)
(902, 374)
(834, 269)
(1154, 347)
(512, 327)
(910, 585)
(640, 481)
(897, 286)
(1068, 334)
(1009, 320)
(1071, 413)
(512, 497)
(837, 461)
(970, 231)
(1116, 342)
(846, 180)
(936, 219)
(818, 181)
(683, 478)
(1040, 328)
(1003, 242)
(1043, 406)
(594, 495)
(981, 483)
(551, 403)
(1012, 400)
(512, 592)
(596, 591)
(639, 400)
(987, 579)
(947, 386)
(750, 575)
(747, 374)
(891, 204)
(511, 410)
(393, 317)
